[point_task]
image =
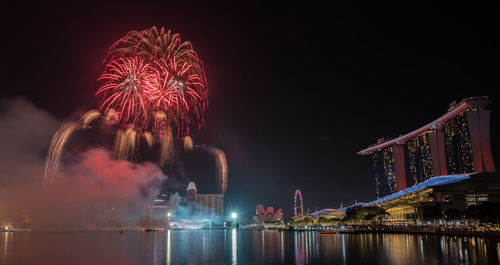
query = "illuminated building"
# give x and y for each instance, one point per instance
(419, 159)
(458, 145)
(457, 142)
(267, 216)
(449, 192)
(210, 204)
(385, 174)
(204, 205)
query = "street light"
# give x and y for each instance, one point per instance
(234, 215)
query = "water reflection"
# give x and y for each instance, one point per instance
(234, 247)
(242, 247)
(306, 247)
(7, 241)
(343, 250)
(169, 259)
(267, 246)
(299, 248)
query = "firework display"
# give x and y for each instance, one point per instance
(154, 90)
(150, 72)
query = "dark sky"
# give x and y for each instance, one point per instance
(295, 91)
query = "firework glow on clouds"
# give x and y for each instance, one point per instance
(95, 180)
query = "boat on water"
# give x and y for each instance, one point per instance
(327, 232)
(153, 229)
(6, 228)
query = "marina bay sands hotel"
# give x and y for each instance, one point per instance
(456, 143)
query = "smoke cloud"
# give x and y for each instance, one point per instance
(93, 190)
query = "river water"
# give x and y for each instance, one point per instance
(241, 247)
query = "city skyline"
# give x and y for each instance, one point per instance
(271, 70)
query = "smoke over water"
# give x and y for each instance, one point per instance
(92, 190)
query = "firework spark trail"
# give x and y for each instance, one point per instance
(53, 159)
(188, 143)
(125, 144)
(130, 143)
(160, 119)
(119, 144)
(111, 115)
(167, 148)
(128, 88)
(149, 138)
(220, 164)
(89, 117)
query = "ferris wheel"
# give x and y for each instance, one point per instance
(295, 206)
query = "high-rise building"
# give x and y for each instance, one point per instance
(455, 143)
(458, 145)
(210, 205)
(204, 205)
(419, 161)
(385, 174)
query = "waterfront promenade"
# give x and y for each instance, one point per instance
(471, 230)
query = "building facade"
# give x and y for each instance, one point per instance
(204, 205)
(445, 192)
(456, 143)
(384, 170)
(419, 162)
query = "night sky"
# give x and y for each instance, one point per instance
(295, 91)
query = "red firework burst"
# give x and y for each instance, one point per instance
(129, 86)
(153, 71)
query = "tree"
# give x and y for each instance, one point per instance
(485, 212)
(453, 214)
(325, 221)
(368, 213)
(308, 221)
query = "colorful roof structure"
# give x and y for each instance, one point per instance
(435, 181)
(329, 213)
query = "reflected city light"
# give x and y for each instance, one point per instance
(343, 250)
(6, 242)
(234, 247)
(282, 237)
(300, 256)
(168, 261)
(259, 247)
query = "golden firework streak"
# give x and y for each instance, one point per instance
(53, 159)
(149, 138)
(125, 143)
(221, 165)
(188, 143)
(167, 148)
(89, 117)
